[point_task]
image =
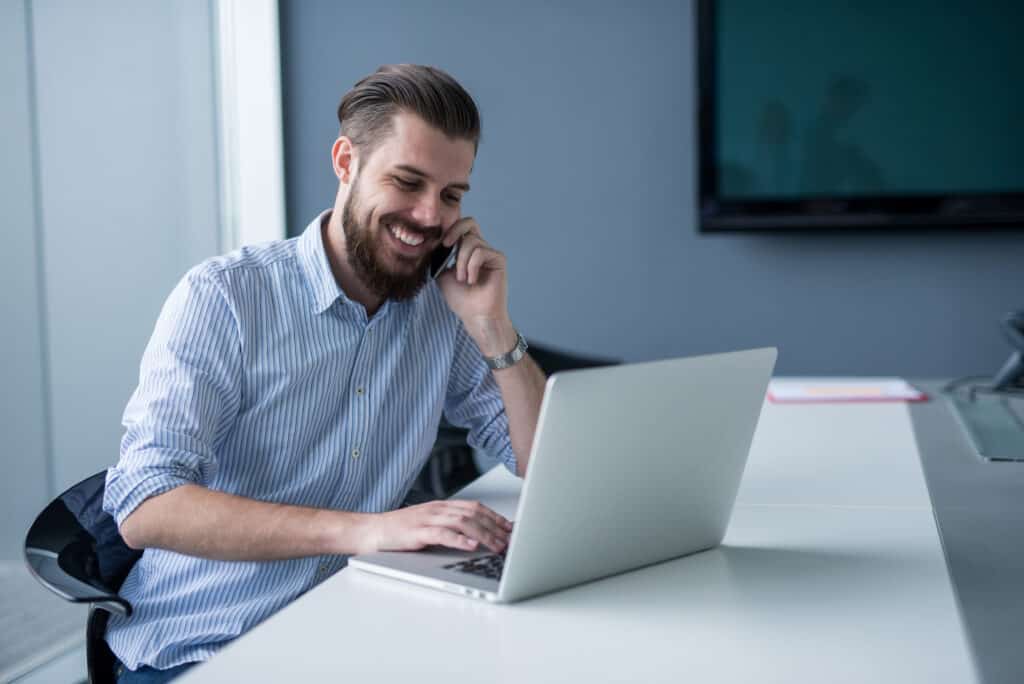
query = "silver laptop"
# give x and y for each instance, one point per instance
(631, 465)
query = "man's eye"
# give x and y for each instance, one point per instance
(453, 199)
(405, 184)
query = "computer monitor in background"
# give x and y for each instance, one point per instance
(825, 115)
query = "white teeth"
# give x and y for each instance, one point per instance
(406, 237)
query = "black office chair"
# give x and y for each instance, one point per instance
(75, 550)
(552, 360)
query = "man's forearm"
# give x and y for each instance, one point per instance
(197, 521)
(521, 385)
(522, 389)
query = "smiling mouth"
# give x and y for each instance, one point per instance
(405, 236)
(409, 243)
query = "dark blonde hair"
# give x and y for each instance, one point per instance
(367, 111)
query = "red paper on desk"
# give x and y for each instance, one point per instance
(823, 390)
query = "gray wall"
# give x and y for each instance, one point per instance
(24, 486)
(118, 152)
(586, 178)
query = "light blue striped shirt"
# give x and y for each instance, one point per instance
(263, 379)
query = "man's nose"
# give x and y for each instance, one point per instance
(427, 211)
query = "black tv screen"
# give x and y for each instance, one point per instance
(862, 114)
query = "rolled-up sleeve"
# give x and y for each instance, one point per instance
(474, 402)
(188, 396)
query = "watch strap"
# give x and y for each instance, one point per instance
(511, 358)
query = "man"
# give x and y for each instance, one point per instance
(292, 391)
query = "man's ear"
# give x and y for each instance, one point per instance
(344, 158)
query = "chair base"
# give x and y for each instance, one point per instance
(99, 658)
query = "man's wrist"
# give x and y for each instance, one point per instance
(350, 533)
(494, 337)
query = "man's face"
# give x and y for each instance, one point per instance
(400, 202)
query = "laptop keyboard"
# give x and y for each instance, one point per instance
(484, 566)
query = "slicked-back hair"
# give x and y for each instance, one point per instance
(366, 112)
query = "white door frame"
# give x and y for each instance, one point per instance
(251, 149)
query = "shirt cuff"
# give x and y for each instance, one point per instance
(126, 491)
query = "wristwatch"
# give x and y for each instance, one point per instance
(511, 358)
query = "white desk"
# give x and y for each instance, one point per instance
(831, 571)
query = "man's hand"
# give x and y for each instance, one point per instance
(197, 521)
(477, 288)
(477, 291)
(456, 524)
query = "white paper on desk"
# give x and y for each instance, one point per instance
(842, 389)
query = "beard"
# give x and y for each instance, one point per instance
(364, 251)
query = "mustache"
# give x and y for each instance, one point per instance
(427, 232)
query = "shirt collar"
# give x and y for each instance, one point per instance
(315, 266)
(320, 279)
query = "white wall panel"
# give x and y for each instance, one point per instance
(128, 171)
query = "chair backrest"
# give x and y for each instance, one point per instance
(75, 550)
(552, 360)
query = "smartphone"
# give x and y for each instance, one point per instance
(442, 259)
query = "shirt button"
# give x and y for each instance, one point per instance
(360, 391)
(355, 453)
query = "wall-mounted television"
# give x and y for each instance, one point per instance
(860, 114)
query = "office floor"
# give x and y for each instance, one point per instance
(42, 637)
(66, 669)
